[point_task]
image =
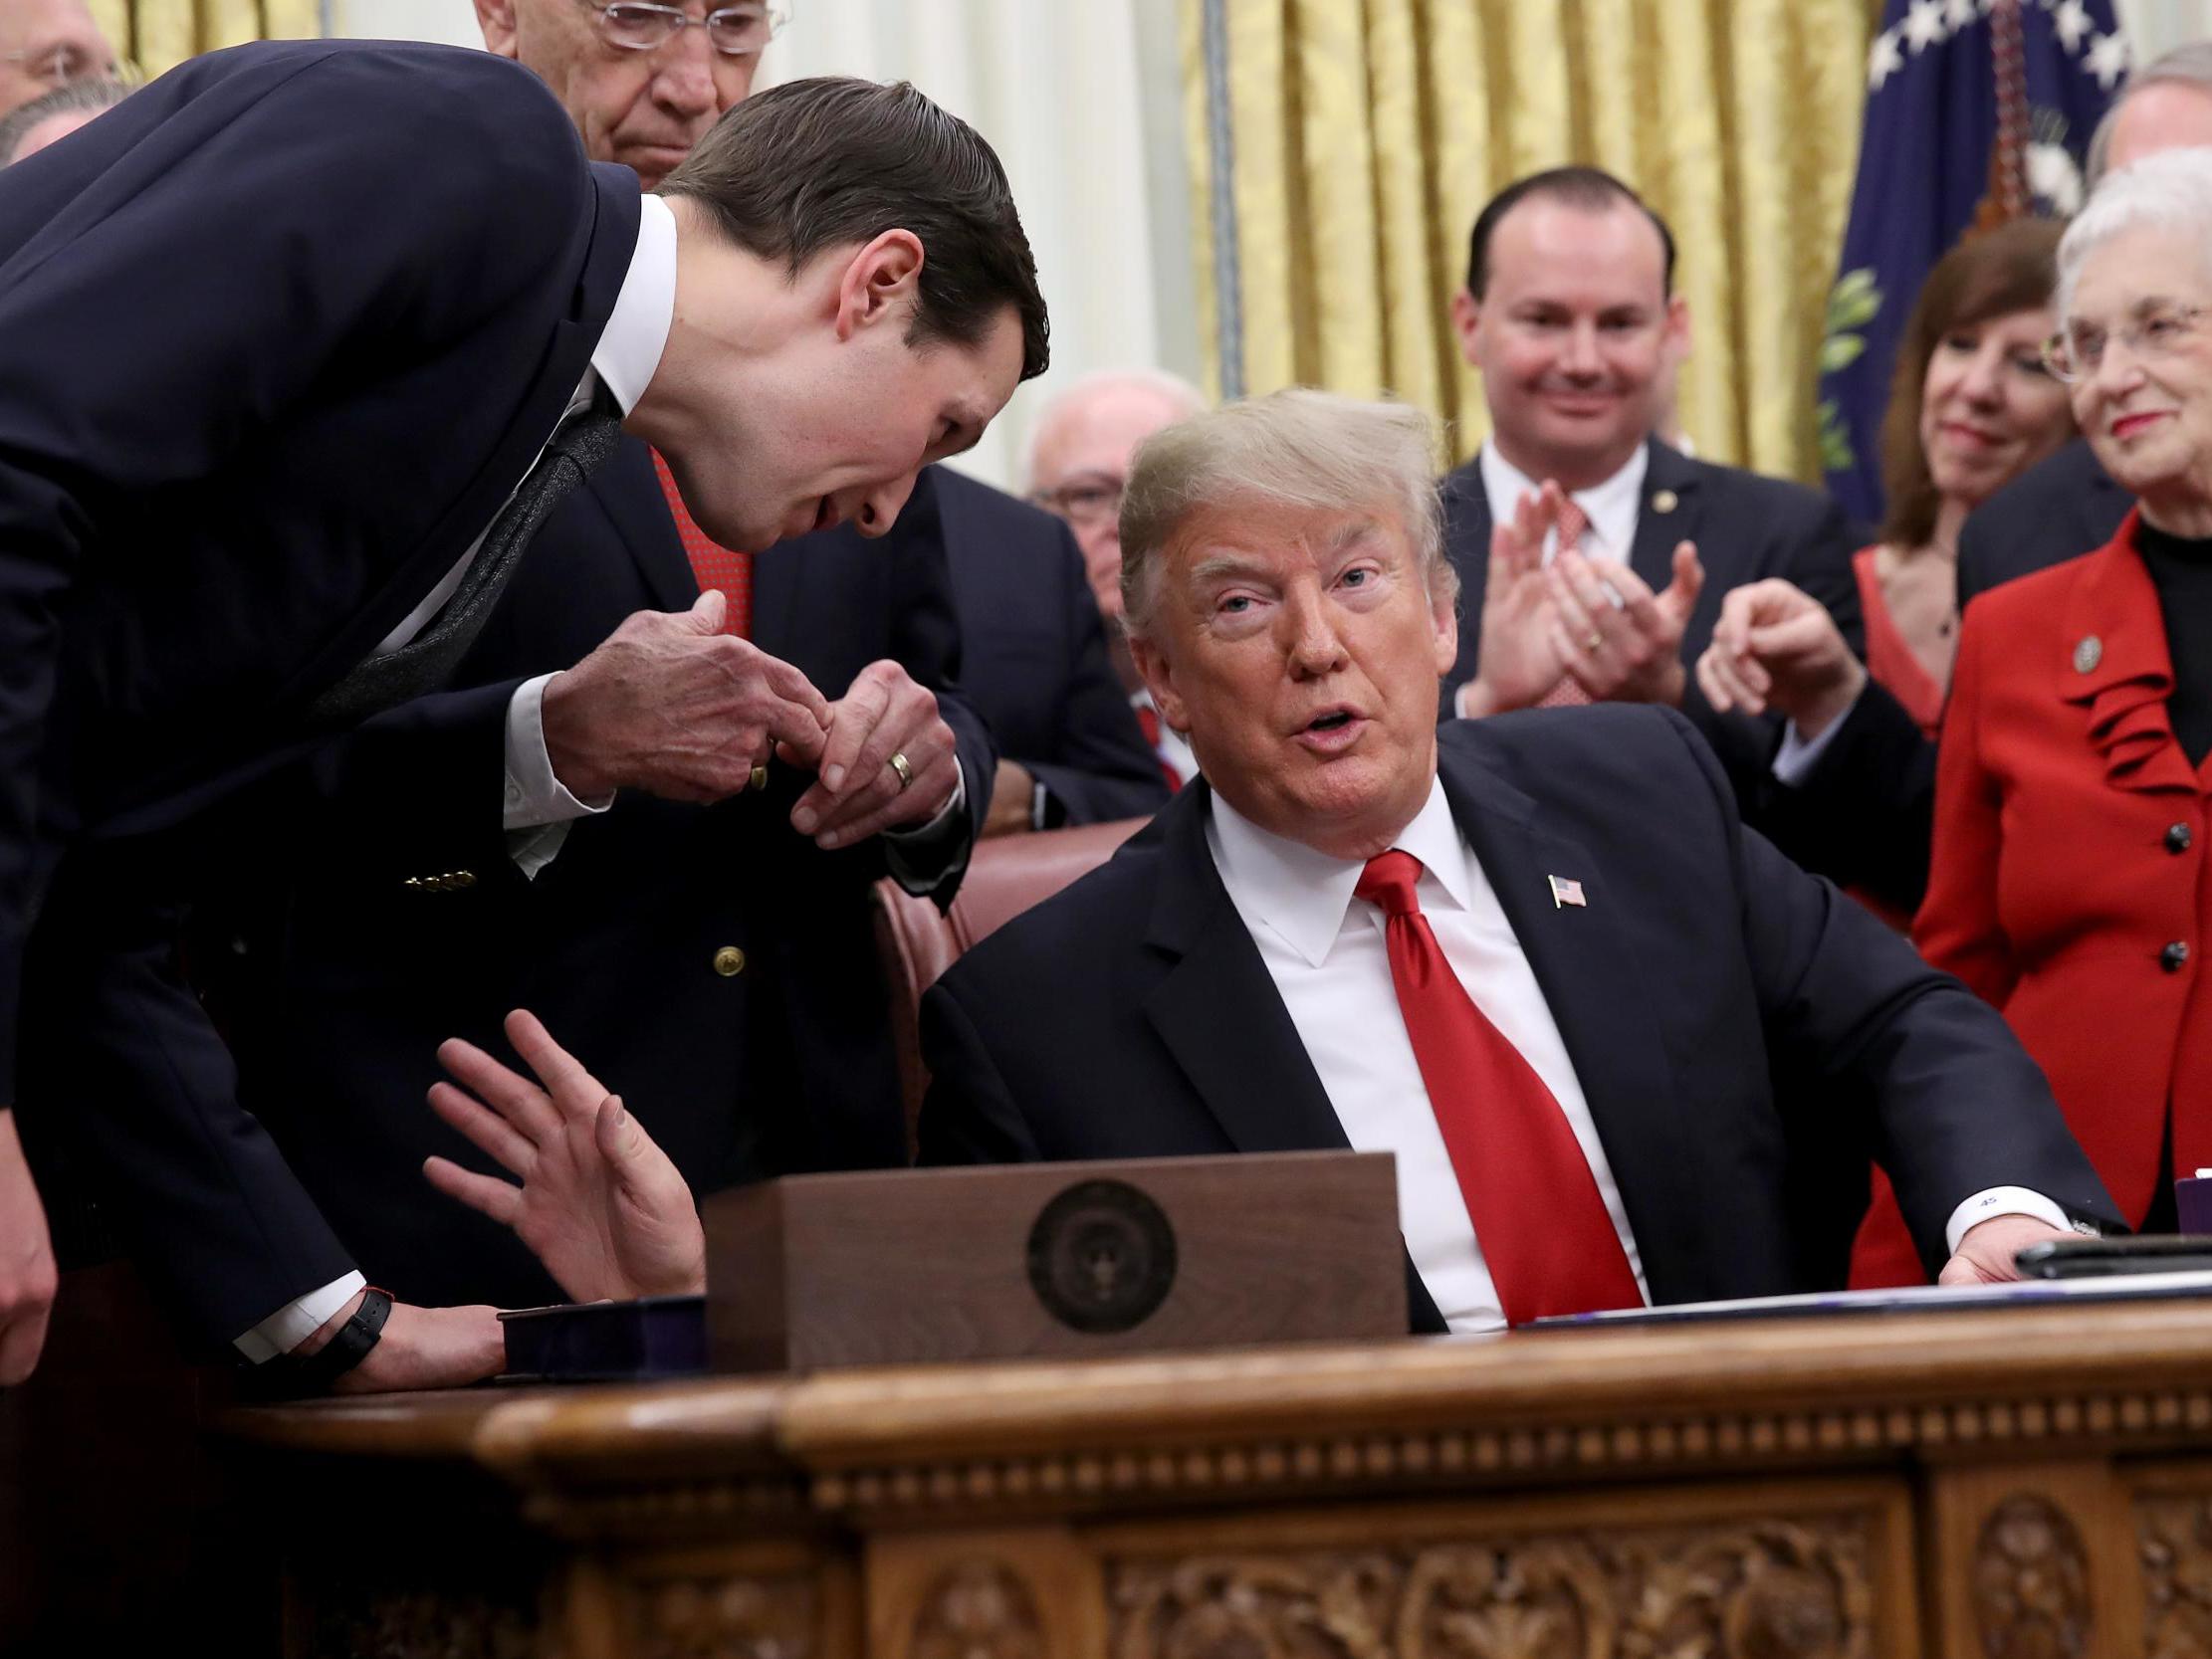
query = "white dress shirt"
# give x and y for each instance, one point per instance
(1326, 953)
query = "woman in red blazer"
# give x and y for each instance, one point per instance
(2068, 881)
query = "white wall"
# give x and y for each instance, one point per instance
(2154, 24)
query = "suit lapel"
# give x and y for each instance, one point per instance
(1667, 513)
(628, 490)
(1258, 1084)
(1225, 1023)
(1597, 991)
(1467, 544)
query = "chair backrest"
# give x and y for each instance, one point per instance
(1005, 878)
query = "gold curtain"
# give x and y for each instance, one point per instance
(1361, 137)
(158, 35)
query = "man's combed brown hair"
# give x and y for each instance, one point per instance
(822, 163)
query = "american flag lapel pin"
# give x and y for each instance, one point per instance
(1565, 892)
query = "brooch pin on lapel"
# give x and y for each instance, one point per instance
(1565, 892)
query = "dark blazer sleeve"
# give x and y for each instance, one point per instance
(1864, 814)
(220, 1222)
(925, 641)
(1101, 768)
(207, 276)
(1957, 1105)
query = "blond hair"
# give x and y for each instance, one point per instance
(1296, 448)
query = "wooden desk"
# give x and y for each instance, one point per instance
(2020, 1485)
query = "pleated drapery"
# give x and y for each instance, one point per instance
(1341, 148)
(158, 35)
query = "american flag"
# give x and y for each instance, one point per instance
(1565, 892)
(1976, 110)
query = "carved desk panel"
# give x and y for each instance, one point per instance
(2019, 1485)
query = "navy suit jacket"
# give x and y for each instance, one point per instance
(1704, 981)
(1747, 527)
(277, 337)
(2063, 506)
(352, 977)
(1033, 654)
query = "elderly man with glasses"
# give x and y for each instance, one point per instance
(44, 44)
(1079, 459)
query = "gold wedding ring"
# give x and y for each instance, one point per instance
(900, 765)
(759, 780)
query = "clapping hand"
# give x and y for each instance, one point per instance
(1622, 642)
(598, 1201)
(1522, 650)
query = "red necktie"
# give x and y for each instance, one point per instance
(1543, 1228)
(714, 565)
(1573, 524)
(1148, 720)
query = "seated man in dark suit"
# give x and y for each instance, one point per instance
(1537, 957)
(379, 294)
(1569, 312)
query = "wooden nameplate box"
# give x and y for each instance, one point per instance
(1053, 1260)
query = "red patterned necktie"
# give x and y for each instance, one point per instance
(1573, 524)
(714, 565)
(1529, 1191)
(1148, 720)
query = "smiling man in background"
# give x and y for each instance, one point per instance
(1571, 316)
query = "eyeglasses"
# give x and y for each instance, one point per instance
(1087, 501)
(2158, 330)
(59, 65)
(640, 25)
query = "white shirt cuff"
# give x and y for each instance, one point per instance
(1798, 755)
(537, 809)
(2002, 1200)
(906, 850)
(534, 797)
(294, 1323)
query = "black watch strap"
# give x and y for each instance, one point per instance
(316, 1372)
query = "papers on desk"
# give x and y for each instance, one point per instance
(1923, 1299)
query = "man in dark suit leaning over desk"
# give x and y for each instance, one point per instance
(296, 345)
(1536, 957)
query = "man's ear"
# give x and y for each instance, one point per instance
(1159, 678)
(881, 281)
(1677, 321)
(1444, 617)
(1466, 316)
(495, 18)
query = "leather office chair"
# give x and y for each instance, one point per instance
(1005, 878)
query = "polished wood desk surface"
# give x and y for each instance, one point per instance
(2027, 1480)
(2158, 1353)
